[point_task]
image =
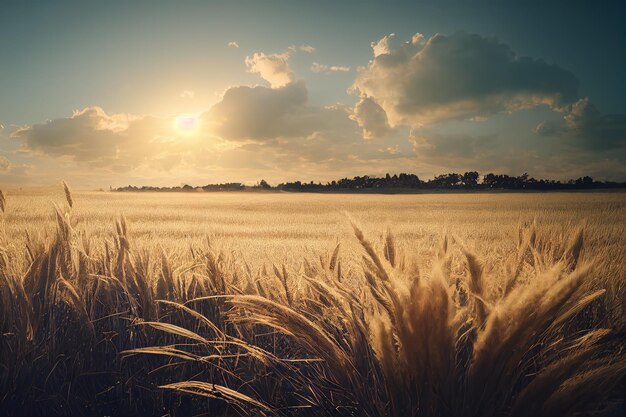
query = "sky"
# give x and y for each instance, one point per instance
(164, 93)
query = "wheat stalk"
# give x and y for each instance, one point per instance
(68, 195)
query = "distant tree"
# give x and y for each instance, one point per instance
(489, 180)
(470, 179)
(521, 181)
(585, 181)
(408, 181)
(446, 181)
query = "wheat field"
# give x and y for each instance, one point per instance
(495, 304)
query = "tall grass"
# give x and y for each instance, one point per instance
(101, 328)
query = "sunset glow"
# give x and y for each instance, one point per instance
(289, 208)
(187, 124)
(239, 92)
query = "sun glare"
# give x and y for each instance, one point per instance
(187, 124)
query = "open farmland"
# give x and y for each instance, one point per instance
(268, 226)
(312, 304)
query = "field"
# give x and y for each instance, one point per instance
(478, 304)
(279, 226)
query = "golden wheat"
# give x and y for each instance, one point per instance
(104, 324)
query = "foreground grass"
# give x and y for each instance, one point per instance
(90, 329)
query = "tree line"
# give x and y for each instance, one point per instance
(404, 182)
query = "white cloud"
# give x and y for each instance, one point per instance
(233, 44)
(382, 47)
(13, 173)
(417, 39)
(187, 94)
(274, 68)
(302, 48)
(328, 69)
(251, 130)
(5, 164)
(114, 141)
(372, 118)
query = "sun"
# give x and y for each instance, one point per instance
(187, 124)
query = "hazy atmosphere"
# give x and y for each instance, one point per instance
(164, 93)
(313, 208)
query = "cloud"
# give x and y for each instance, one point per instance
(382, 46)
(326, 69)
(417, 39)
(460, 76)
(583, 125)
(278, 133)
(334, 150)
(274, 68)
(512, 153)
(258, 112)
(250, 133)
(372, 118)
(12, 172)
(302, 48)
(87, 135)
(275, 132)
(262, 114)
(93, 137)
(233, 44)
(5, 164)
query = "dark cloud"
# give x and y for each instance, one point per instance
(459, 77)
(586, 127)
